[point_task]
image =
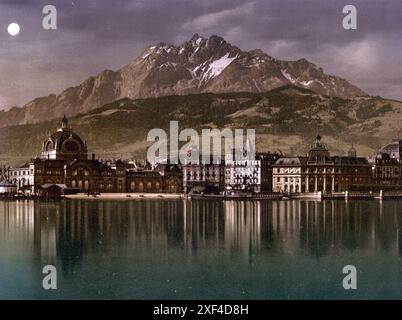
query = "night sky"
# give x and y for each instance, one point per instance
(94, 35)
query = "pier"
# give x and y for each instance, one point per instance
(347, 195)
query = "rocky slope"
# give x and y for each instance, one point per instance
(285, 119)
(197, 66)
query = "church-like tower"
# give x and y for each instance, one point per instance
(319, 151)
(352, 153)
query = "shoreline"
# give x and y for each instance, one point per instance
(281, 197)
(126, 196)
(317, 196)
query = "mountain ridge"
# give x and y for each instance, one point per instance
(285, 119)
(196, 66)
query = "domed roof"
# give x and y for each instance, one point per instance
(319, 150)
(59, 140)
(393, 149)
(64, 144)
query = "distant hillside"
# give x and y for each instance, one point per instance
(285, 119)
(199, 65)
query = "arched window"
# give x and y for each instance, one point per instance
(173, 187)
(49, 146)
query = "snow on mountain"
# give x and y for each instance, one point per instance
(198, 65)
(217, 66)
(289, 77)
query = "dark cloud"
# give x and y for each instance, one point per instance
(97, 34)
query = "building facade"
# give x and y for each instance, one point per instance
(165, 178)
(22, 176)
(243, 175)
(319, 172)
(251, 175)
(387, 166)
(288, 175)
(64, 160)
(201, 177)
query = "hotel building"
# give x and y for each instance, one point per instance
(321, 172)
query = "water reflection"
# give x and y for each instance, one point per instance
(71, 230)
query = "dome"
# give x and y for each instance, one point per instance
(64, 144)
(393, 149)
(319, 151)
(65, 141)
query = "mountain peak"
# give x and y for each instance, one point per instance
(198, 65)
(196, 37)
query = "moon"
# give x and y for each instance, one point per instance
(13, 29)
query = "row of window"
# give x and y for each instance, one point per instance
(343, 179)
(321, 170)
(21, 173)
(22, 182)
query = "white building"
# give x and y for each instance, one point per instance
(287, 174)
(243, 175)
(22, 176)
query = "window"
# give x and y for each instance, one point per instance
(49, 146)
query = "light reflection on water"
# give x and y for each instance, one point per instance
(175, 249)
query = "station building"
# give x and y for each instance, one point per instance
(64, 160)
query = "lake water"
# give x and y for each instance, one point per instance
(187, 249)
